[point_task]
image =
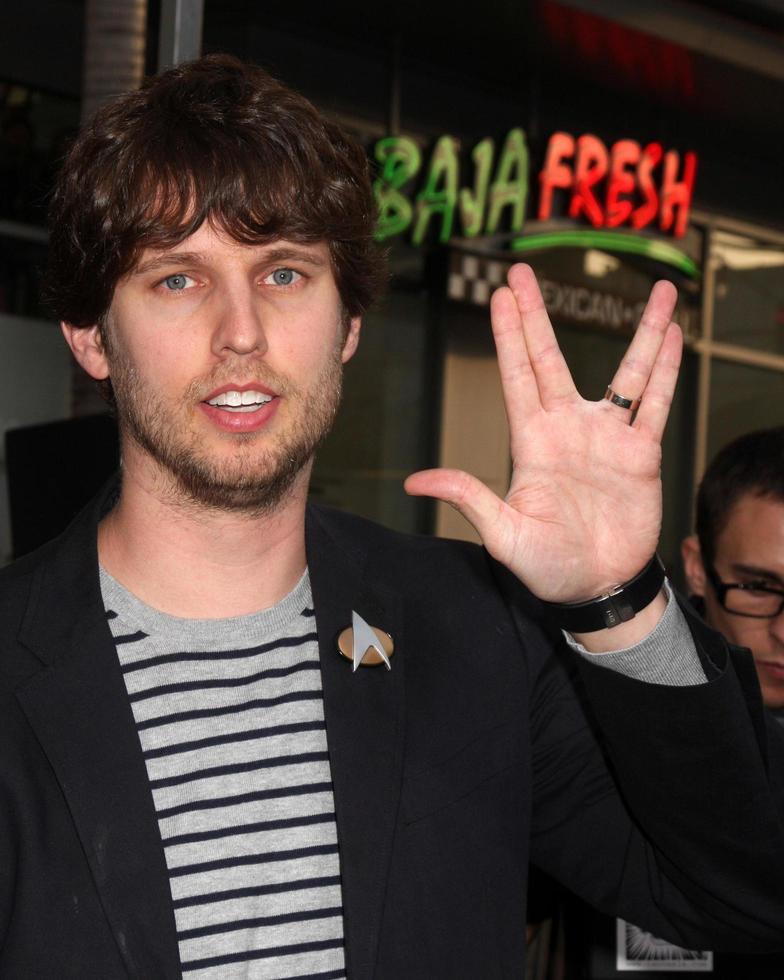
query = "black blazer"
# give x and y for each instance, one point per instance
(471, 756)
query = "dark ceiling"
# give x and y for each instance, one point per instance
(501, 43)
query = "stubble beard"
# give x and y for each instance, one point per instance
(256, 479)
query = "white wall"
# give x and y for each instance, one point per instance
(35, 386)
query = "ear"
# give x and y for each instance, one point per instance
(352, 339)
(87, 347)
(693, 566)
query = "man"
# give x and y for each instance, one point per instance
(734, 563)
(193, 781)
(734, 568)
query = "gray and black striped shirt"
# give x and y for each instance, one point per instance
(230, 717)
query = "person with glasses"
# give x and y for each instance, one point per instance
(244, 736)
(734, 569)
(734, 564)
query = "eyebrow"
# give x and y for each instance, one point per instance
(282, 253)
(756, 571)
(167, 259)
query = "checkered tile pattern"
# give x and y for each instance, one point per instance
(473, 278)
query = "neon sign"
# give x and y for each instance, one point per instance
(627, 171)
(625, 185)
(480, 206)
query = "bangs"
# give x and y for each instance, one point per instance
(216, 141)
(256, 195)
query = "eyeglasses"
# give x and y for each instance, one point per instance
(747, 598)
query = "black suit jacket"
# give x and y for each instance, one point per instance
(471, 756)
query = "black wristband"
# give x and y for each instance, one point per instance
(618, 606)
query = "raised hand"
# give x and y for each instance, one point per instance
(583, 511)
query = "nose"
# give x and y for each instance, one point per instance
(777, 627)
(238, 322)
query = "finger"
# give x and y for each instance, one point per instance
(521, 395)
(655, 407)
(633, 372)
(476, 502)
(554, 382)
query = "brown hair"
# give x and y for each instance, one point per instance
(752, 464)
(215, 140)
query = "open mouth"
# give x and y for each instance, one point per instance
(240, 401)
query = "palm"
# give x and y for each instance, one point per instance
(575, 510)
(583, 511)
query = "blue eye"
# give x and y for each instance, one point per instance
(176, 283)
(284, 277)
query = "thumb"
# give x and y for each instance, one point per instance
(476, 502)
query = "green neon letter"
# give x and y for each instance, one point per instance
(510, 187)
(439, 195)
(472, 203)
(399, 158)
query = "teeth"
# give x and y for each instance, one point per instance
(240, 399)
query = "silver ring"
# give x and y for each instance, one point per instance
(631, 403)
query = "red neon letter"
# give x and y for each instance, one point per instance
(676, 194)
(591, 166)
(555, 172)
(646, 212)
(625, 153)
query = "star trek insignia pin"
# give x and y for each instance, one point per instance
(365, 645)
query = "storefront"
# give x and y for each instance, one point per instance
(605, 156)
(731, 308)
(601, 203)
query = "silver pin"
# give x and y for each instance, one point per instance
(364, 645)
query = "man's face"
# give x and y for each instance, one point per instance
(226, 364)
(749, 549)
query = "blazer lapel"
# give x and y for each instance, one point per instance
(364, 718)
(81, 715)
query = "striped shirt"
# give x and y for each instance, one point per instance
(230, 717)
